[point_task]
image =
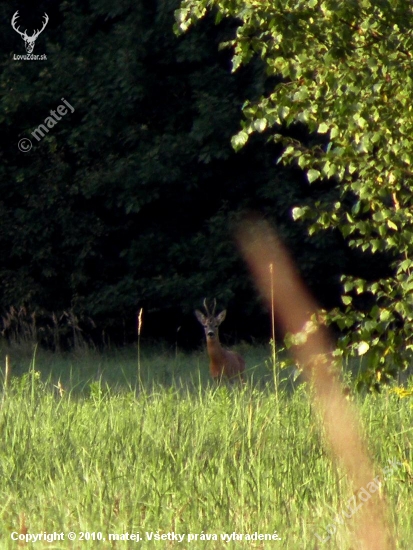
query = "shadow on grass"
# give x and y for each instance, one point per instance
(117, 370)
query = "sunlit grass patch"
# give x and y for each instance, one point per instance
(181, 455)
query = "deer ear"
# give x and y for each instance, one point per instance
(221, 316)
(200, 316)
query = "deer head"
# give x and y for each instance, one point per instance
(29, 41)
(210, 322)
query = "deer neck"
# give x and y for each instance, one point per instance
(214, 348)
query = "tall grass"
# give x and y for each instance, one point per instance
(175, 454)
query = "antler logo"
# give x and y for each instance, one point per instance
(29, 41)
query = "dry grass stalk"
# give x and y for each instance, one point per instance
(140, 323)
(60, 388)
(7, 373)
(116, 506)
(23, 529)
(296, 311)
(19, 326)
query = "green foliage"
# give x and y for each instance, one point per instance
(28, 383)
(345, 72)
(112, 209)
(128, 201)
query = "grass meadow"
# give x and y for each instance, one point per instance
(88, 448)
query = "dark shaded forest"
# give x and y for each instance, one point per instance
(129, 200)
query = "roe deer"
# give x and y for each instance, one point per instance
(222, 363)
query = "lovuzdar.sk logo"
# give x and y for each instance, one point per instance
(29, 40)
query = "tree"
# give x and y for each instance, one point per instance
(345, 71)
(128, 200)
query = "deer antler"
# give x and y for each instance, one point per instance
(36, 33)
(13, 24)
(206, 307)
